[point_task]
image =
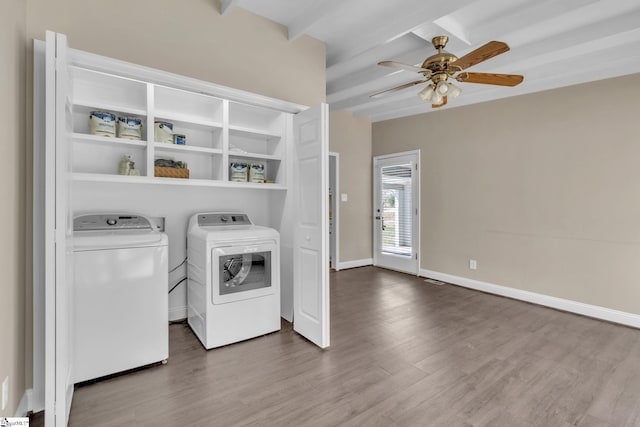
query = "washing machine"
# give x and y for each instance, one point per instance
(120, 295)
(233, 285)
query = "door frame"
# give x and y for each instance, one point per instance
(416, 218)
(336, 210)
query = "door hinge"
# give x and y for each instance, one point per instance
(416, 256)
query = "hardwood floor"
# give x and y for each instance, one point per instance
(403, 353)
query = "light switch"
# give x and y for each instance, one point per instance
(343, 197)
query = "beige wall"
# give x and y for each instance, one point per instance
(12, 153)
(351, 137)
(240, 50)
(541, 189)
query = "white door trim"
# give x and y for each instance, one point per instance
(400, 154)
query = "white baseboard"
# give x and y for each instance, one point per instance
(595, 311)
(177, 313)
(353, 264)
(25, 404)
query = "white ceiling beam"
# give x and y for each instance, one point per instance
(564, 29)
(527, 15)
(383, 76)
(368, 88)
(304, 22)
(607, 35)
(226, 5)
(453, 27)
(409, 49)
(366, 67)
(409, 17)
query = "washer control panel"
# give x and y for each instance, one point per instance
(100, 222)
(217, 218)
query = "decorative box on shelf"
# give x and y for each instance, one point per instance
(169, 168)
(169, 172)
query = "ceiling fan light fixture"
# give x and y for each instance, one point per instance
(442, 88)
(453, 91)
(427, 93)
(437, 99)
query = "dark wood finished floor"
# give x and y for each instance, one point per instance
(404, 353)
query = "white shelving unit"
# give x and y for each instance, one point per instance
(218, 132)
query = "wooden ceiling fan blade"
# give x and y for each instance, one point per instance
(491, 79)
(397, 88)
(394, 64)
(481, 54)
(442, 104)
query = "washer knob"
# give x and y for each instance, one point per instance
(112, 221)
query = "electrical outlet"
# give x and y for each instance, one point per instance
(473, 264)
(5, 392)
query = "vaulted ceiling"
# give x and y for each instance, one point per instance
(554, 43)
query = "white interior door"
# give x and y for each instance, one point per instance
(311, 257)
(58, 233)
(396, 211)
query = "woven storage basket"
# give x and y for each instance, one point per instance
(167, 172)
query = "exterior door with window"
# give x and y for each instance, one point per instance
(396, 211)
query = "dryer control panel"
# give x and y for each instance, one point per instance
(217, 218)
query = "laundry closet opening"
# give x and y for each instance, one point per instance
(102, 146)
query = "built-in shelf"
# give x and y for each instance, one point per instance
(107, 140)
(112, 108)
(235, 154)
(253, 133)
(187, 120)
(124, 179)
(161, 146)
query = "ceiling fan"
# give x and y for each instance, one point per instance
(439, 68)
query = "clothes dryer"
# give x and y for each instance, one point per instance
(233, 285)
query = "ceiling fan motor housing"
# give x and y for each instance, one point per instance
(439, 62)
